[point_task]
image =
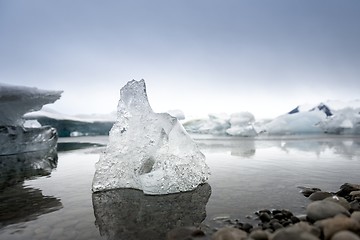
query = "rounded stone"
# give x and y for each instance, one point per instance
(339, 200)
(345, 235)
(317, 196)
(356, 216)
(229, 233)
(336, 224)
(293, 234)
(319, 210)
(265, 217)
(259, 235)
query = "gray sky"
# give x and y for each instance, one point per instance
(200, 56)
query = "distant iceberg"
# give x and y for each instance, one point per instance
(330, 117)
(79, 125)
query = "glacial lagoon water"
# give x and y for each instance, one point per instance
(248, 174)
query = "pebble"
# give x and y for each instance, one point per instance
(293, 233)
(317, 196)
(356, 216)
(319, 210)
(345, 235)
(259, 235)
(333, 225)
(228, 233)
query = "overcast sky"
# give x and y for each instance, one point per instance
(200, 56)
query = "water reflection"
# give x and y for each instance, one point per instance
(16, 168)
(347, 147)
(129, 214)
(20, 204)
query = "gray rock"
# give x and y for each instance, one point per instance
(319, 210)
(228, 233)
(339, 200)
(345, 235)
(317, 196)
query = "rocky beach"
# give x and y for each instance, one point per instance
(329, 216)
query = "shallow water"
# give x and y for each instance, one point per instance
(247, 175)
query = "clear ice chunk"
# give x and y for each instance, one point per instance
(148, 151)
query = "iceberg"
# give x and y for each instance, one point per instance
(242, 125)
(70, 126)
(148, 151)
(26, 148)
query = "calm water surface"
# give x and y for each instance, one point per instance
(247, 175)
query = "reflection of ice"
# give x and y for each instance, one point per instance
(16, 168)
(129, 214)
(21, 204)
(347, 147)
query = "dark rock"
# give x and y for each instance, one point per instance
(287, 213)
(316, 196)
(275, 211)
(264, 217)
(347, 188)
(247, 227)
(294, 219)
(308, 191)
(319, 210)
(286, 223)
(279, 216)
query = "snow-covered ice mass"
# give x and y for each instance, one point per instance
(148, 151)
(331, 117)
(26, 148)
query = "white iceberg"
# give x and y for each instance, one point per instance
(148, 151)
(241, 124)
